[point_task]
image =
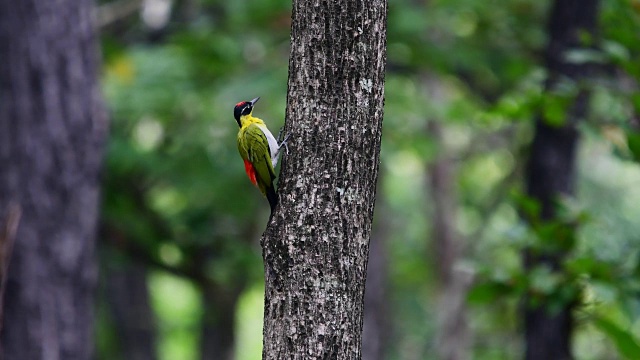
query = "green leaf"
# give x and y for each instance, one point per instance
(528, 205)
(487, 292)
(633, 141)
(591, 267)
(615, 50)
(623, 340)
(544, 281)
(554, 108)
(635, 100)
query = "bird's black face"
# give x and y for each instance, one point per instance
(243, 108)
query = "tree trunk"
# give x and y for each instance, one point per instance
(376, 328)
(315, 248)
(551, 170)
(452, 341)
(129, 303)
(220, 301)
(217, 338)
(52, 131)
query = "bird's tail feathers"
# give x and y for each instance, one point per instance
(272, 197)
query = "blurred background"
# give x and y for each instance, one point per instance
(181, 267)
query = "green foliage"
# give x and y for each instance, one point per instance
(175, 193)
(625, 343)
(176, 196)
(633, 141)
(179, 316)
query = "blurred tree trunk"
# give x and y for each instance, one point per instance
(130, 307)
(551, 171)
(218, 326)
(52, 131)
(452, 341)
(376, 331)
(220, 299)
(315, 249)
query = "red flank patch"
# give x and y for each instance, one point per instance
(251, 172)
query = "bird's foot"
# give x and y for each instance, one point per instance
(283, 143)
(280, 133)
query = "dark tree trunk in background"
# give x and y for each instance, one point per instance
(452, 342)
(376, 330)
(52, 128)
(551, 170)
(315, 249)
(218, 327)
(130, 307)
(220, 300)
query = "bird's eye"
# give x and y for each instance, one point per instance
(246, 111)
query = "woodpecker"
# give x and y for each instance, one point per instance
(259, 149)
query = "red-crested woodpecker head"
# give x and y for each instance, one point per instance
(243, 108)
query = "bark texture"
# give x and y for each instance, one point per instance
(52, 127)
(551, 169)
(315, 248)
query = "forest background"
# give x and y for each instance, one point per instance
(465, 80)
(468, 85)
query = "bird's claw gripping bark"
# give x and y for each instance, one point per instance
(283, 142)
(280, 133)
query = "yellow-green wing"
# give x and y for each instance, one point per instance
(242, 145)
(257, 150)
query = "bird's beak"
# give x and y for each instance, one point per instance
(254, 101)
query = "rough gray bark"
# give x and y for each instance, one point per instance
(52, 128)
(315, 249)
(453, 336)
(551, 171)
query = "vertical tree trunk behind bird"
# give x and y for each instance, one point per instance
(315, 249)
